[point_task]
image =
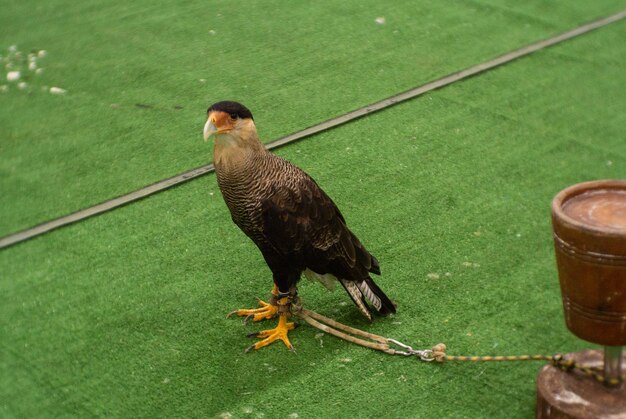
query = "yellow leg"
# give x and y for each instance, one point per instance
(271, 335)
(265, 311)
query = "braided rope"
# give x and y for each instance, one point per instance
(557, 360)
(438, 352)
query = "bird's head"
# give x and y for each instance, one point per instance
(230, 121)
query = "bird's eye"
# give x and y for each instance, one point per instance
(233, 116)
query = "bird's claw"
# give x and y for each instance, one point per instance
(265, 311)
(253, 347)
(267, 333)
(271, 335)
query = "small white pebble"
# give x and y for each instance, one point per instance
(13, 48)
(202, 80)
(293, 415)
(211, 193)
(39, 71)
(57, 91)
(212, 32)
(166, 380)
(226, 415)
(433, 275)
(42, 53)
(22, 85)
(346, 360)
(609, 163)
(32, 57)
(380, 20)
(13, 75)
(32, 66)
(471, 265)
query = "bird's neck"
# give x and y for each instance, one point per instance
(232, 152)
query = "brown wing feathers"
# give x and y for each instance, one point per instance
(305, 224)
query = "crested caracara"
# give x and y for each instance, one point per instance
(295, 225)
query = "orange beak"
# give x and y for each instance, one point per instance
(217, 123)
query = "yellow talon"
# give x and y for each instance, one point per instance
(271, 335)
(266, 311)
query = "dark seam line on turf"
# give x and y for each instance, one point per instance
(162, 185)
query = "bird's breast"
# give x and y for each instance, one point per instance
(244, 190)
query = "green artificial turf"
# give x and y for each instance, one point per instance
(123, 315)
(140, 75)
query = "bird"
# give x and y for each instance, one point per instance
(296, 226)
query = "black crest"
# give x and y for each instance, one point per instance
(234, 109)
